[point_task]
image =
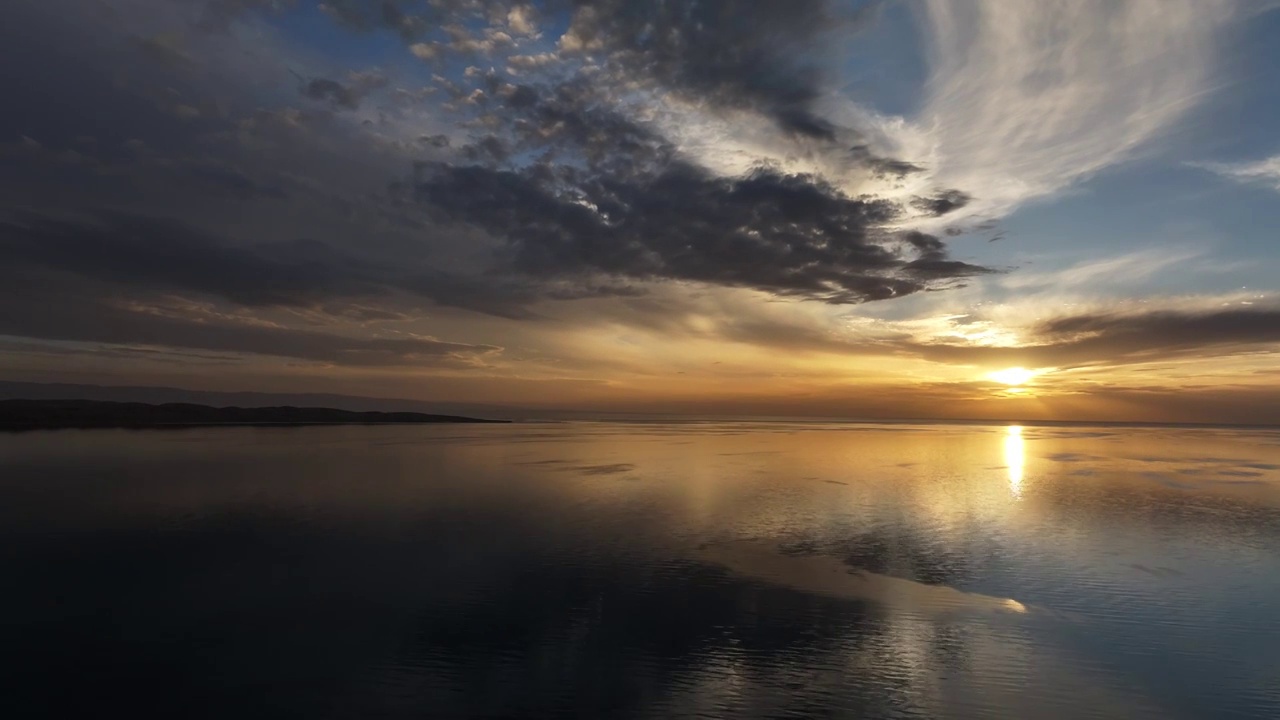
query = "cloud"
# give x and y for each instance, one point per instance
(1026, 99)
(574, 187)
(1264, 172)
(223, 177)
(1121, 337)
(762, 57)
(524, 63)
(166, 255)
(942, 203)
(219, 14)
(129, 280)
(347, 96)
(425, 51)
(1127, 334)
(1110, 335)
(91, 321)
(521, 19)
(786, 234)
(1129, 268)
(464, 40)
(333, 91)
(623, 60)
(149, 255)
(367, 15)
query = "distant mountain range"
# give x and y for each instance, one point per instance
(36, 414)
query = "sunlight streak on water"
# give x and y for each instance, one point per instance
(1015, 457)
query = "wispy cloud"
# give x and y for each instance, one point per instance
(1261, 172)
(1027, 98)
(1130, 268)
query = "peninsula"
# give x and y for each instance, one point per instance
(50, 414)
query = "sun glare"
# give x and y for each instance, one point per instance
(1012, 376)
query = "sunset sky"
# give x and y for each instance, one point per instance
(1063, 209)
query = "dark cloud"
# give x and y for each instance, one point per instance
(167, 255)
(60, 86)
(226, 178)
(763, 57)
(413, 20)
(332, 91)
(570, 121)
(932, 262)
(124, 279)
(1166, 331)
(1071, 341)
(759, 56)
(787, 234)
(882, 167)
(366, 15)
(217, 15)
(151, 256)
(93, 321)
(493, 295)
(362, 15)
(1123, 338)
(563, 192)
(346, 96)
(574, 188)
(942, 203)
(489, 150)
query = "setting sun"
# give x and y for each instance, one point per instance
(1012, 376)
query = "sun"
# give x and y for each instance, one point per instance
(1013, 376)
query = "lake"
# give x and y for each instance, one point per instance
(642, 570)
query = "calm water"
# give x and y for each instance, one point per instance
(641, 571)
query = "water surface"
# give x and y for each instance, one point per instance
(743, 570)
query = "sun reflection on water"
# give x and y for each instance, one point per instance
(1014, 458)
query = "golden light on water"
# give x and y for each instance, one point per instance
(1012, 376)
(1015, 458)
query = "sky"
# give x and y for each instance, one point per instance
(1053, 210)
